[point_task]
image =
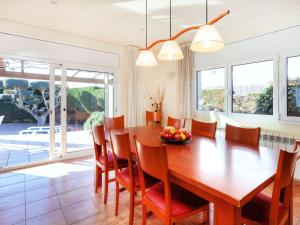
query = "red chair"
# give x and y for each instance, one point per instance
(249, 136)
(114, 122)
(169, 202)
(153, 118)
(128, 177)
(204, 129)
(104, 162)
(277, 209)
(177, 123)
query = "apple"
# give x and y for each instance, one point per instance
(173, 131)
(183, 130)
(183, 137)
(162, 134)
(188, 136)
(177, 137)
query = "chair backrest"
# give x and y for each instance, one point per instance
(99, 140)
(153, 160)
(153, 117)
(282, 191)
(177, 123)
(120, 144)
(249, 136)
(204, 129)
(114, 122)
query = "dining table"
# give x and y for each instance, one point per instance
(227, 173)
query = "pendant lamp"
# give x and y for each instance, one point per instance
(170, 50)
(207, 38)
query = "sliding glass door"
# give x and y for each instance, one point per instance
(46, 109)
(88, 101)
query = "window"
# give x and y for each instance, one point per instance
(293, 86)
(252, 88)
(210, 90)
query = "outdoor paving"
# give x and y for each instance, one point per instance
(17, 154)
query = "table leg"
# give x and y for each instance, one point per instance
(227, 214)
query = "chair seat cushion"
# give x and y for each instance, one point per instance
(258, 209)
(182, 201)
(125, 177)
(121, 162)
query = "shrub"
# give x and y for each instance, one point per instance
(264, 103)
(94, 119)
(14, 83)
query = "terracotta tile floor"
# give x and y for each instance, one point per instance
(62, 193)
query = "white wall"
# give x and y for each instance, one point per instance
(271, 45)
(163, 76)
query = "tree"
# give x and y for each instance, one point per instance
(32, 97)
(264, 103)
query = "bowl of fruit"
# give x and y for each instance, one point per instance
(174, 135)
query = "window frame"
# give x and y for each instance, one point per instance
(234, 115)
(283, 87)
(197, 89)
(196, 71)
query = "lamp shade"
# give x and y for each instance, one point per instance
(146, 58)
(170, 51)
(207, 39)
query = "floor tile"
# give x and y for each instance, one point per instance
(12, 180)
(13, 215)
(93, 220)
(63, 187)
(11, 189)
(53, 218)
(80, 211)
(42, 207)
(72, 197)
(12, 201)
(40, 193)
(38, 183)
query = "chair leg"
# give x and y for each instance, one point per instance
(131, 212)
(97, 178)
(117, 198)
(207, 220)
(106, 173)
(215, 214)
(144, 222)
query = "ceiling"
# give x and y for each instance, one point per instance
(123, 21)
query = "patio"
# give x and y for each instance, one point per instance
(17, 149)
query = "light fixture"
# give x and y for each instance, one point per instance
(170, 50)
(146, 56)
(207, 38)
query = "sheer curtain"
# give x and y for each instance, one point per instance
(133, 87)
(185, 77)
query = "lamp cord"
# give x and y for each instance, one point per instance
(170, 18)
(206, 12)
(146, 23)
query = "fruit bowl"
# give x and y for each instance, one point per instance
(175, 136)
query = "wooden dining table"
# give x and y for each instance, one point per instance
(223, 172)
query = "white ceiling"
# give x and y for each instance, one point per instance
(123, 21)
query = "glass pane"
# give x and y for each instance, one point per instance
(85, 104)
(36, 67)
(293, 86)
(13, 65)
(252, 88)
(24, 121)
(211, 90)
